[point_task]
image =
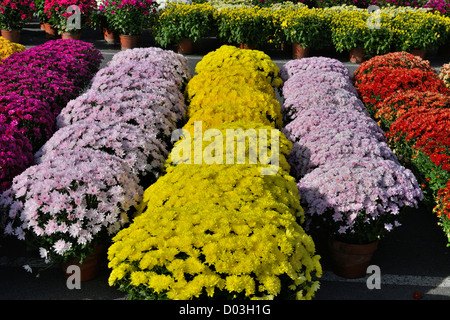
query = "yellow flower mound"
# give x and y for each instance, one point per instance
(232, 100)
(237, 142)
(232, 186)
(230, 56)
(235, 77)
(206, 250)
(214, 116)
(7, 48)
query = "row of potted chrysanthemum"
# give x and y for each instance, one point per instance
(35, 85)
(110, 143)
(212, 227)
(405, 94)
(352, 186)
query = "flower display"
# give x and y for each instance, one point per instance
(179, 21)
(7, 48)
(128, 17)
(58, 13)
(359, 199)
(444, 74)
(140, 149)
(32, 117)
(221, 208)
(16, 154)
(70, 202)
(14, 14)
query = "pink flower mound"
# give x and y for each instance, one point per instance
(139, 148)
(314, 64)
(69, 202)
(344, 189)
(350, 181)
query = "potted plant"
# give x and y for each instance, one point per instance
(306, 28)
(184, 24)
(84, 201)
(129, 18)
(13, 16)
(60, 12)
(418, 31)
(356, 202)
(354, 31)
(246, 26)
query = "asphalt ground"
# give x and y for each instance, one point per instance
(413, 258)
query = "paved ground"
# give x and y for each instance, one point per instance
(412, 258)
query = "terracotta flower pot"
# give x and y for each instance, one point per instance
(128, 42)
(13, 35)
(351, 260)
(299, 52)
(50, 32)
(70, 35)
(357, 55)
(110, 36)
(246, 46)
(90, 266)
(419, 53)
(186, 46)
